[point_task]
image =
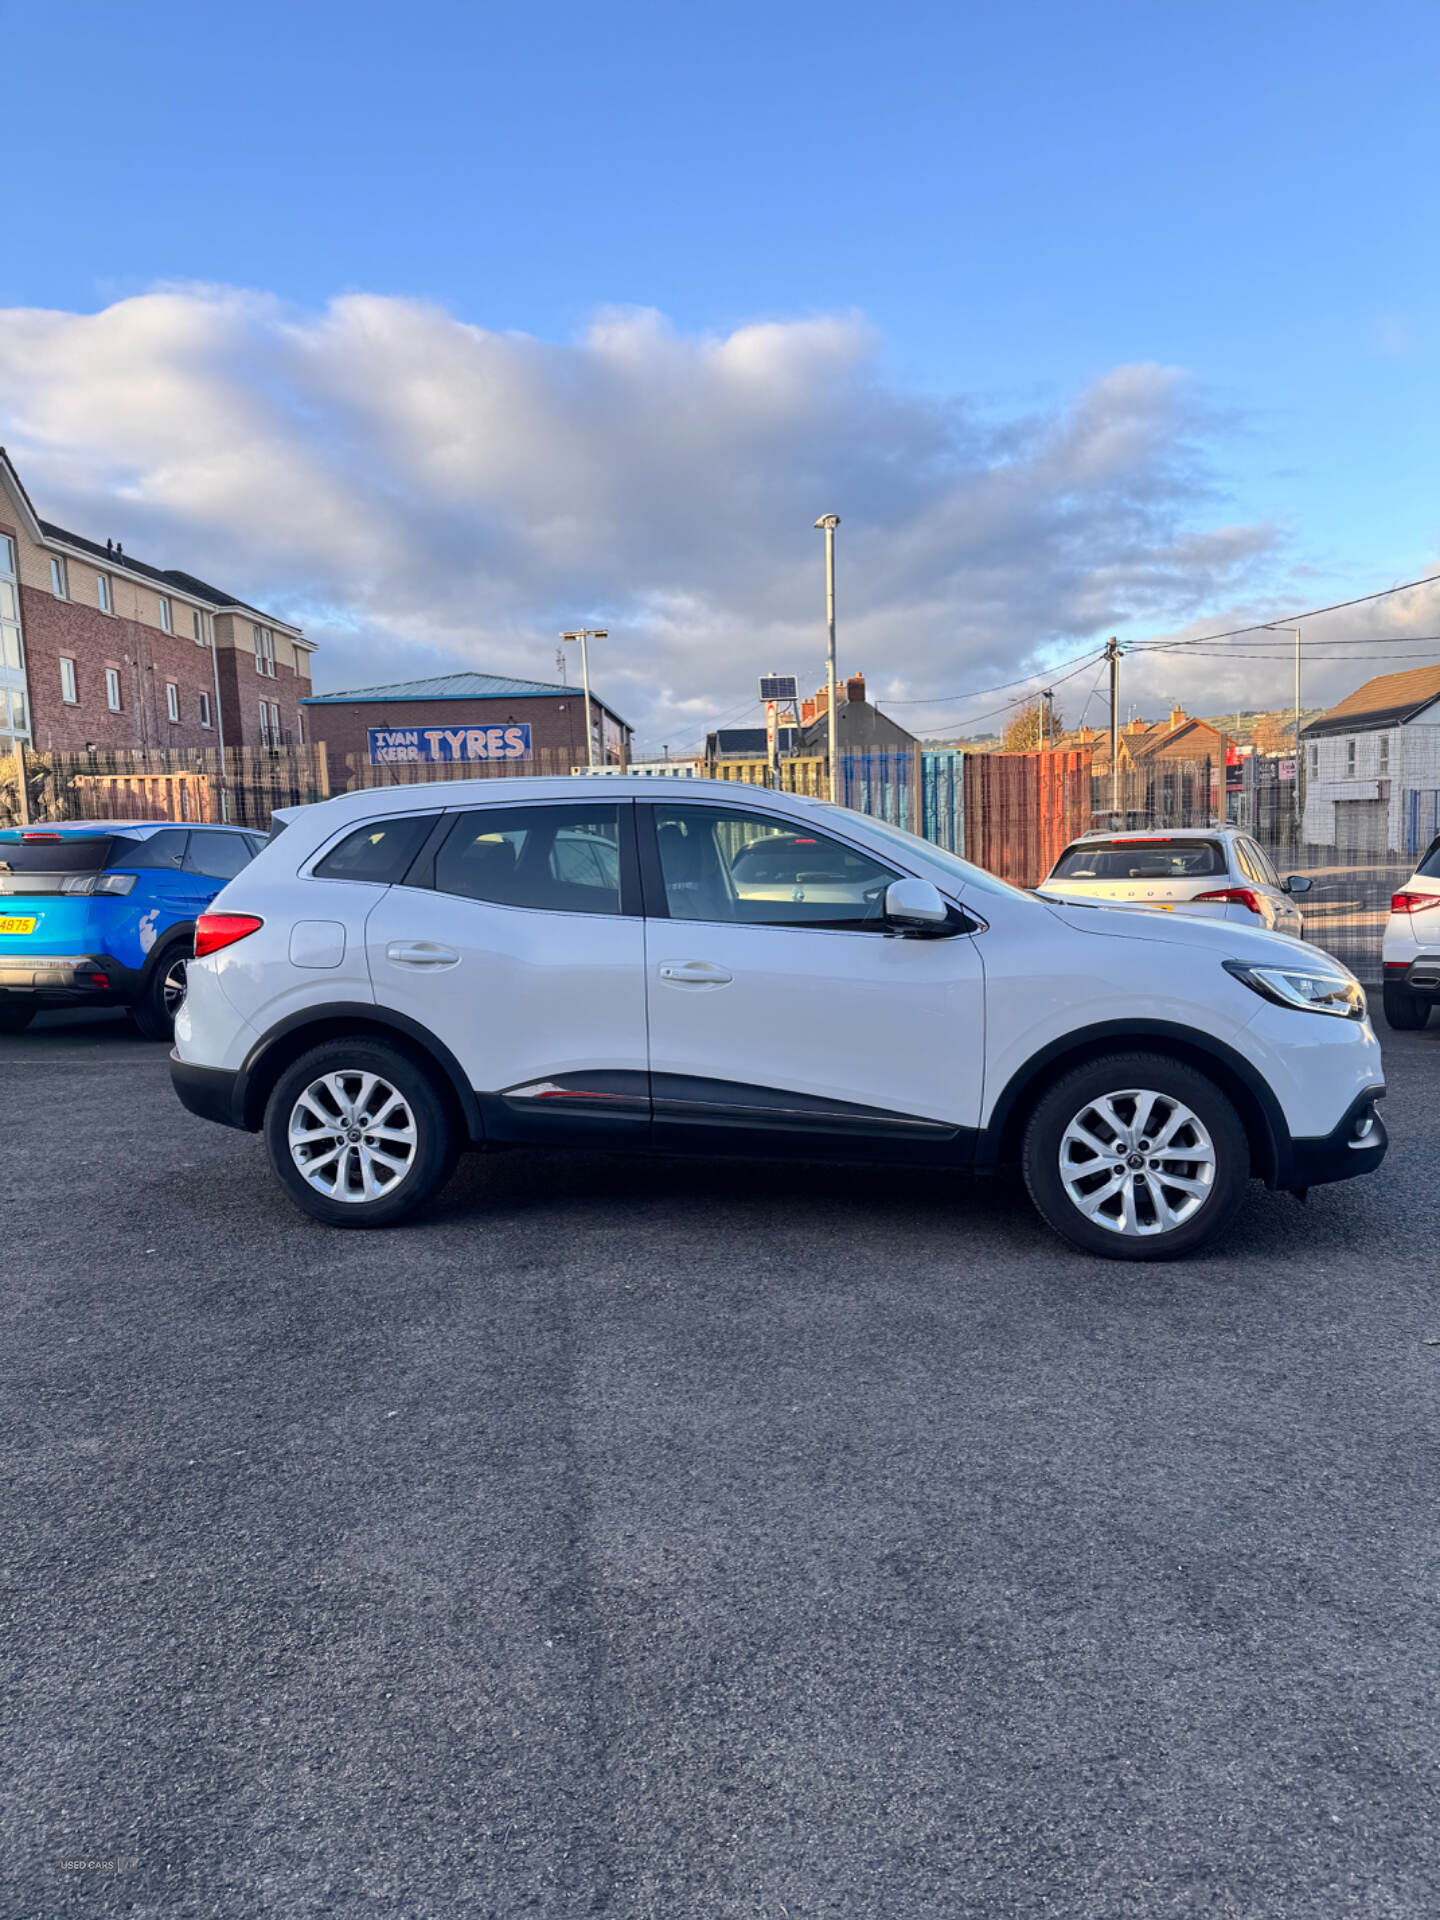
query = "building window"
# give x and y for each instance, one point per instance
(264, 723)
(19, 717)
(275, 739)
(264, 651)
(1350, 757)
(7, 554)
(1384, 753)
(59, 577)
(167, 624)
(112, 689)
(172, 700)
(68, 691)
(204, 709)
(1314, 763)
(197, 626)
(102, 592)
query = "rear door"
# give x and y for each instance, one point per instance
(782, 1008)
(163, 896)
(517, 940)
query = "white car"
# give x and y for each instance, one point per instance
(406, 972)
(1216, 873)
(1412, 946)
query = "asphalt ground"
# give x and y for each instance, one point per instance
(651, 1539)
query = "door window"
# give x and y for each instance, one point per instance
(218, 856)
(563, 859)
(380, 851)
(757, 870)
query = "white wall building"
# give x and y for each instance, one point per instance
(1372, 766)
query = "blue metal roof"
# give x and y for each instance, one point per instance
(454, 686)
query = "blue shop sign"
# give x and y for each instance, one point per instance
(393, 745)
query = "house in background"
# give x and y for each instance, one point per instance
(99, 649)
(1372, 766)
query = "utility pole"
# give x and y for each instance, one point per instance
(829, 522)
(584, 635)
(1297, 736)
(1112, 654)
(1048, 696)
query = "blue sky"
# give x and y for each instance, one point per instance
(1013, 201)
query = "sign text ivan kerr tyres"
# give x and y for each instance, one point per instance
(389, 745)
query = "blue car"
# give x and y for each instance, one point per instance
(102, 913)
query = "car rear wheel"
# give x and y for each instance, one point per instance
(154, 1012)
(1406, 1012)
(1136, 1157)
(359, 1134)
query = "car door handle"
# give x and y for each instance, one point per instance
(694, 973)
(420, 953)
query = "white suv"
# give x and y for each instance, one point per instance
(406, 972)
(1412, 946)
(1217, 873)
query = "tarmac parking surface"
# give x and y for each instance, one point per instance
(647, 1538)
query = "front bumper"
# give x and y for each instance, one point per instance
(64, 980)
(1356, 1146)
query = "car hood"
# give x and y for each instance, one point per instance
(1222, 938)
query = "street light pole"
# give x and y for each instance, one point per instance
(1112, 654)
(829, 521)
(584, 635)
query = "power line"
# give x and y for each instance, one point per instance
(1294, 619)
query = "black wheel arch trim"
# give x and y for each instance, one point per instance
(181, 934)
(1265, 1124)
(363, 1013)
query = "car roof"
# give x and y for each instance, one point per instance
(1160, 833)
(126, 826)
(496, 790)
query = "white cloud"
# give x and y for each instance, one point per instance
(421, 493)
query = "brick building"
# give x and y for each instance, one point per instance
(99, 649)
(459, 704)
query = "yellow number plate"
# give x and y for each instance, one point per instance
(13, 924)
(1160, 907)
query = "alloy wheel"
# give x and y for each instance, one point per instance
(1137, 1162)
(172, 988)
(352, 1136)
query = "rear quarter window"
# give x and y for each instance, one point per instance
(380, 851)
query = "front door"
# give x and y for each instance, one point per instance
(781, 1003)
(519, 944)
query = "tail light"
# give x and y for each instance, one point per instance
(1413, 902)
(1241, 896)
(216, 930)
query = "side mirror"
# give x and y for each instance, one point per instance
(915, 903)
(1298, 883)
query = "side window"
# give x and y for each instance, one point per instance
(760, 871)
(164, 849)
(1241, 852)
(219, 856)
(561, 859)
(380, 851)
(1261, 862)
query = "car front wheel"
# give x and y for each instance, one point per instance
(1136, 1157)
(358, 1134)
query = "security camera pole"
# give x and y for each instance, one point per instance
(829, 521)
(584, 635)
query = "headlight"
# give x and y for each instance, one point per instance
(1303, 987)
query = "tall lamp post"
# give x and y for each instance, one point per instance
(584, 635)
(829, 521)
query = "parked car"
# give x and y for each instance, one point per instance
(1217, 873)
(1412, 946)
(103, 912)
(405, 972)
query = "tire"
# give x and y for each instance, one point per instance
(154, 1012)
(1134, 1216)
(15, 1019)
(305, 1128)
(1406, 1012)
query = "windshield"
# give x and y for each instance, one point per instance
(955, 872)
(1148, 859)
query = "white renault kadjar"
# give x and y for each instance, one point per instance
(404, 973)
(1217, 873)
(1412, 946)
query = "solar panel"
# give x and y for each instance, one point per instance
(777, 686)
